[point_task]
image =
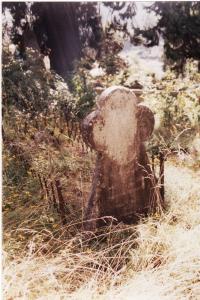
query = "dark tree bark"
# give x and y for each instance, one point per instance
(57, 29)
(54, 32)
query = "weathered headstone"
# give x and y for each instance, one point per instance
(122, 184)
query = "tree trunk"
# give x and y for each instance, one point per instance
(57, 29)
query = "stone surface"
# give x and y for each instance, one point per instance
(122, 184)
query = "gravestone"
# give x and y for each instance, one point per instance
(122, 185)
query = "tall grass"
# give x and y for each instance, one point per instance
(159, 258)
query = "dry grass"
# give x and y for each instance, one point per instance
(157, 259)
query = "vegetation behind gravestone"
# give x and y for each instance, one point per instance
(175, 102)
(35, 131)
(41, 116)
(176, 23)
(178, 26)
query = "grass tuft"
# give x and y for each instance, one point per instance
(159, 258)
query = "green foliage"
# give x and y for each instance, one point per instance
(14, 171)
(178, 24)
(26, 83)
(31, 94)
(36, 107)
(18, 186)
(82, 92)
(175, 102)
(110, 65)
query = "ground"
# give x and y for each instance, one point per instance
(159, 258)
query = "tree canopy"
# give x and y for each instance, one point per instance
(178, 24)
(60, 30)
(64, 30)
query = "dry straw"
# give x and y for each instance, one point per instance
(157, 259)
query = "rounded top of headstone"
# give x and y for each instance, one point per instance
(116, 126)
(119, 125)
(113, 91)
